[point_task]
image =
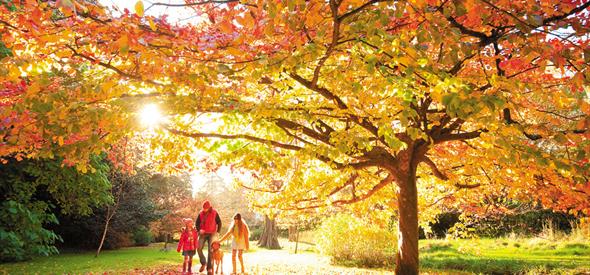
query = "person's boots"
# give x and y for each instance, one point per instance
(190, 265)
(202, 268)
(183, 267)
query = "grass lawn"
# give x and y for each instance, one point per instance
(506, 256)
(115, 261)
(486, 256)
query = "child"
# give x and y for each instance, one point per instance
(240, 233)
(188, 244)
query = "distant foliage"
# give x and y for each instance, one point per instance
(530, 223)
(255, 233)
(136, 209)
(142, 236)
(350, 240)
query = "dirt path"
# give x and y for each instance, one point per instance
(281, 262)
(284, 262)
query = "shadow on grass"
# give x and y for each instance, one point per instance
(447, 259)
(481, 265)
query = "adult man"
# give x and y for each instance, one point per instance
(208, 224)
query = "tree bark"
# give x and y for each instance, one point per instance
(269, 236)
(106, 228)
(296, 239)
(110, 211)
(292, 232)
(406, 262)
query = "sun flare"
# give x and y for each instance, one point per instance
(151, 115)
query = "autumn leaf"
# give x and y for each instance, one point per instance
(139, 8)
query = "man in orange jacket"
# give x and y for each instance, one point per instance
(208, 224)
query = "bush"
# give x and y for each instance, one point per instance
(21, 231)
(255, 233)
(142, 237)
(353, 241)
(530, 223)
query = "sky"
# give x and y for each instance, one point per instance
(175, 14)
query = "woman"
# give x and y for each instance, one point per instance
(240, 233)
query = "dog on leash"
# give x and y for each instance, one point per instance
(217, 254)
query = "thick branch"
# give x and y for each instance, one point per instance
(363, 122)
(240, 136)
(467, 186)
(281, 122)
(360, 8)
(322, 91)
(508, 119)
(439, 174)
(460, 136)
(389, 179)
(562, 16)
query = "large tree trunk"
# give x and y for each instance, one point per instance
(406, 262)
(269, 236)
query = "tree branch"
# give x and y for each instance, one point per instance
(508, 119)
(240, 136)
(198, 3)
(435, 169)
(360, 8)
(113, 68)
(384, 182)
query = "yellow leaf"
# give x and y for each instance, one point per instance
(106, 86)
(139, 8)
(152, 25)
(34, 88)
(60, 140)
(123, 44)
(226, 27)
(14, 73)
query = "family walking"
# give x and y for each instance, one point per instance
(205, 230)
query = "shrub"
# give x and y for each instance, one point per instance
(142, 236)
(353, 241)
(581, 230)
(255, 233)
(21, 231)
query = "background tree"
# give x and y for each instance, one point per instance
(270, 234)
(170, 194)
(135, 210)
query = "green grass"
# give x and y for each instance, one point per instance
(505, 256)
(124, 259)
(486, 256)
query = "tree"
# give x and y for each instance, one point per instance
(270, 234)
(170, 194)
(34, 192)
(132, 209)
(473, 98)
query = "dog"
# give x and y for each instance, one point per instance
(217, 254)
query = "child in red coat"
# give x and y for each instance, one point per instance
(189, 242)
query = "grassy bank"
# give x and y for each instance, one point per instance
(506, 256)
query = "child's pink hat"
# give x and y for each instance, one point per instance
(206, 204)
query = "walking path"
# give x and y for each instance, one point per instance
(282, 262)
